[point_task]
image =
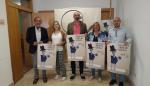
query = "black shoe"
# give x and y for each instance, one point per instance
(45, 80)
(72, 76)
(120, 83)
(112, 82)
(82, 77)
(35, 81)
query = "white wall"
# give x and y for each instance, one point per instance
(57, 4)
(39, 5)
(85, 12)
(136, 17)
(5, 64)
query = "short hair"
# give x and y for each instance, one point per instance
(36, 17)
(117, 18)
(76, 13)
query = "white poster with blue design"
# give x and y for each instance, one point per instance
(118, 58)
(95, 54)
(76, 47)
(46, 56)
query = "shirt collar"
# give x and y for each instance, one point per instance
(37, 29)
(117, 29)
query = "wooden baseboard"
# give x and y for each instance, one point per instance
(12, 84)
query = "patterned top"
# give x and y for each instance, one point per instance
(101, 37)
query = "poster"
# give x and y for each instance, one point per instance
(46, 56)
(95, 55)
(118, 58)
(76, 47)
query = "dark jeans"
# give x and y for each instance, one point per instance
(73, 66)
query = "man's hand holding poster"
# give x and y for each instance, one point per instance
(118, 58)
(46, 56)
(76, 47)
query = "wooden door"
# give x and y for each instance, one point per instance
(25, 21)
(15, 43)
(106, 13)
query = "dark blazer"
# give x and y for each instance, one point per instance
(83, 28)
(31, 38)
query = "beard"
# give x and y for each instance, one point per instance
(117, 25)
(77, 18)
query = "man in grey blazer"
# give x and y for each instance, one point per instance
(36, 35)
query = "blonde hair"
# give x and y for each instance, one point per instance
(54, 27)
(98, 26)
(36, 18)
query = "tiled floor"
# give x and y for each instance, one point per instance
(28, 78)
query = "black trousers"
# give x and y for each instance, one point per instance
(73, 67)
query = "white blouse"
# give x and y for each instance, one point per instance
(56, 39)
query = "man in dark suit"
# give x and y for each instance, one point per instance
(36, 35)
(74, 28)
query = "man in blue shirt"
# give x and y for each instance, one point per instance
(118, 34)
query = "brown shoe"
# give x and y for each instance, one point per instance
(72, 76)
(35, 81)
(112, 82)
(82, 77)
(45, 80)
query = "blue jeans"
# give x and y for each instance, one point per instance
(121, 77)
(93, 70)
